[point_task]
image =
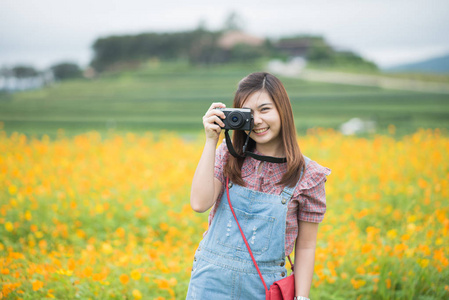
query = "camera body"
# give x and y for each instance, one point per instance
(237, 118)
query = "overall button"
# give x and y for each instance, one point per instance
(282, 264)
(284, 201)
(194, 259)
(230, 185)
(283, 274)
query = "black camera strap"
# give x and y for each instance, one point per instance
(277, 160)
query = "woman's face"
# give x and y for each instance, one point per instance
(267, 123)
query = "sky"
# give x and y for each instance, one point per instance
(388, 32)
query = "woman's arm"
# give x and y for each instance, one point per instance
(205, 187)
(305, 257)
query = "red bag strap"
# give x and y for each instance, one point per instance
(291, 264)
(246, 242)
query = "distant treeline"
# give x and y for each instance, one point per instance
(201, 46)
(26, 77)
(59, 71)
(197, 46)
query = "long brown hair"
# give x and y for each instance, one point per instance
(262, 81)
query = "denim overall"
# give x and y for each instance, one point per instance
(222, 267)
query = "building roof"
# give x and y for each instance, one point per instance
(231, 38)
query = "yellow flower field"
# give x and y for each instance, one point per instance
(108, 217)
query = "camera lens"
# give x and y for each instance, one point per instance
(236, 119)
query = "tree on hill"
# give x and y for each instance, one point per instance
(128, 48)
(233, 22)
(66, 70)
(319, 52)
(24, 71)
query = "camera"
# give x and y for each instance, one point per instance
(237, 118)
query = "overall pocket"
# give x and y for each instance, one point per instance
(256, 227)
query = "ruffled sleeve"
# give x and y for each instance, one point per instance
(221, 156)
(312, 194)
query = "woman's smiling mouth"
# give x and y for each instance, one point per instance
(260, 130)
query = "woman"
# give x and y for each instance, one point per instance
(277, 204)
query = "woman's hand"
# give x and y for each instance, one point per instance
(212, 121)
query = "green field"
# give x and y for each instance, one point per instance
(175, 96)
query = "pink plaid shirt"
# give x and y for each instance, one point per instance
(309, 198)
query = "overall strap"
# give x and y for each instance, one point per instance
(244, 238)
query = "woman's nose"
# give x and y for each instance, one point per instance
(257, 119)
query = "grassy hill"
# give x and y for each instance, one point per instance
(175, 97)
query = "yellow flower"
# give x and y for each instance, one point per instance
(392, 234)
(405, 237)
(88, 271)
(37, 285)
(12, 189)
(388, 283)
(124, 279)
(411, 227)
(424, 263)
(50, 295)
(107, 248)
(367, 248)
(64, 272)
(71, 264)
(97, 277)
(136, 275)
(357, 283)
(137, 294)
(5, 271)
(360, 270)
(120, 232)
(162, 283)
(28, 215)
(9, 226)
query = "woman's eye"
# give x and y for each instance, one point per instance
(265, 109)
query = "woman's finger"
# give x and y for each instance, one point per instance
(217, 105)
(216, 120)
(213, 108)
(212, 128)
(213, 120)
(215, 128)
(215, 112)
